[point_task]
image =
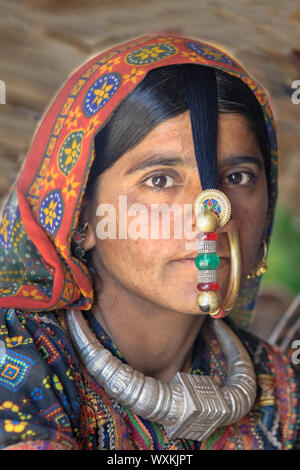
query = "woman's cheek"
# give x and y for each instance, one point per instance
(251, 229)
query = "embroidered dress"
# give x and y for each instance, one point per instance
(47, 398)
(53, 402)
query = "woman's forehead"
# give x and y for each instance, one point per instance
(170, 143)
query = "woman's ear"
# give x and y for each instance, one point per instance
(90, 239)
(85, 216)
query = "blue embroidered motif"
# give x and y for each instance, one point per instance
(14, 371)
(210, 53)
(51, 212)
(100, 93)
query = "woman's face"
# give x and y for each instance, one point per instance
(152, 267)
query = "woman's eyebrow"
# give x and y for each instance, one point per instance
(155, 161)
(172, 161)
(240, 160)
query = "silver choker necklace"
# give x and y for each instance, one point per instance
(189, 406)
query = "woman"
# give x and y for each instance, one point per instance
(153, 122)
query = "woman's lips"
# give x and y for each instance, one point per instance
(191, 261)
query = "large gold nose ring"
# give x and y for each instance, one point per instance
(213, 210)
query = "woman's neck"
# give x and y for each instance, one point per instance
(153, 340)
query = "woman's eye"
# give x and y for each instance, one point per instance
(241, 178)
(159, 182)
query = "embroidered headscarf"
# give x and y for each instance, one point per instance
(38, 271)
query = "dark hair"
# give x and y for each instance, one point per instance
(161, 96)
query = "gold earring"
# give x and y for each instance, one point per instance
(261, 266)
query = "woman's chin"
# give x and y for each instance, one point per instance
(183, 286)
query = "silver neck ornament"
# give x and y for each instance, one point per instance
(190, 406)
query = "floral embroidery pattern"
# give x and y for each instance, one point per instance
(132, 76)
(70, 152)
(73, 117)
(100, 93)
(92, 126)
(34, 293)
(51, 211)
(50, 179)
(150, 53)
(210, 53)
(108, 66)
(69, 189)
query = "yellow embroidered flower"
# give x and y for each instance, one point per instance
(70, 187)
(147, 52)
(14, 341)
(50, 213)
(73, 117)
(33, 293)
(93, 124)
(46, 382)
(49, 180)
(109, 65)
(24, 417)
(14, 426)
(9, 405)
(57, 383)
(102, 93)
(193, 56)
(71, 152)
(3, 229)
(134, 73)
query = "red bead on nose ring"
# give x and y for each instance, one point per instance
(212, 210)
